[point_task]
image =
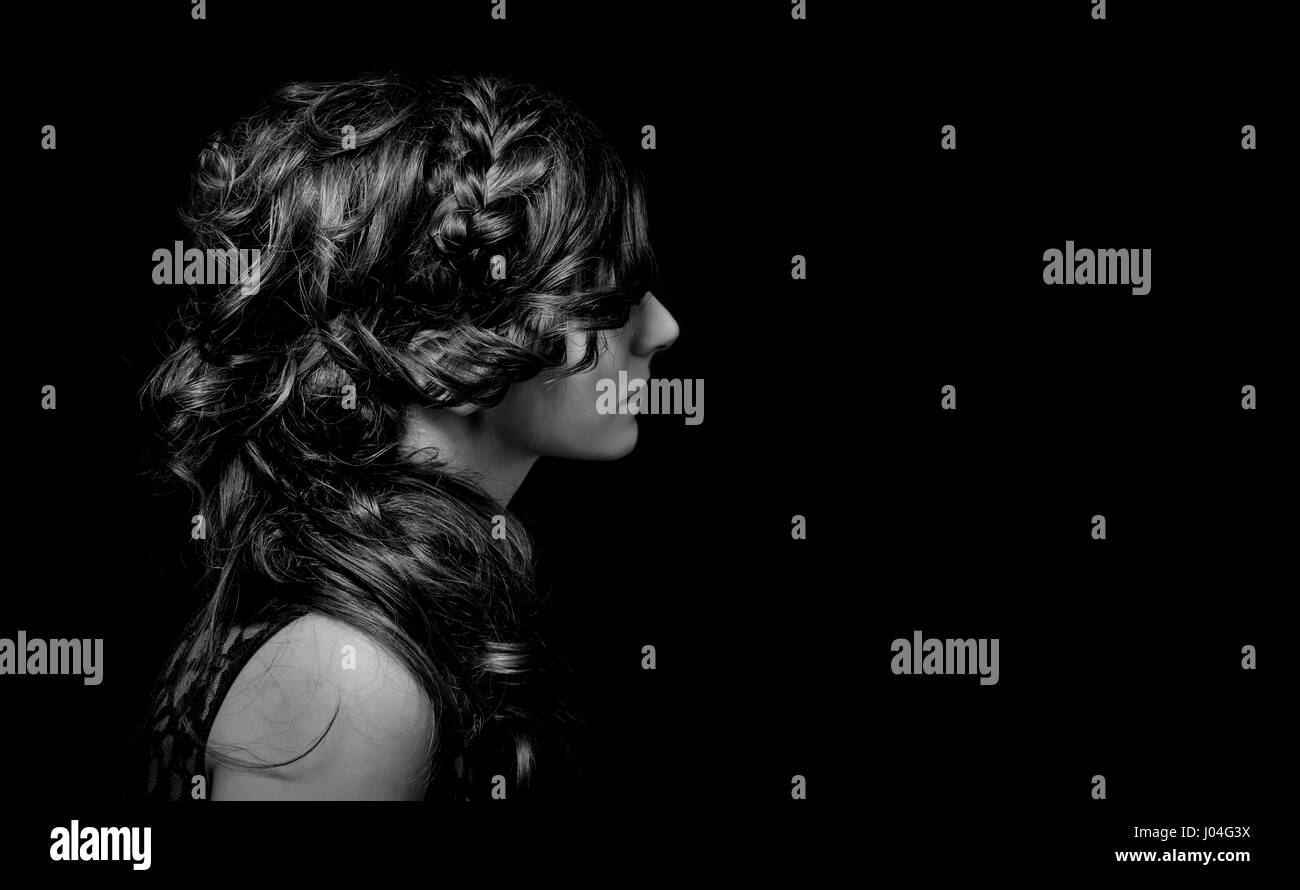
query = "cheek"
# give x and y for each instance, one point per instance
(559, 418)
(576, 429)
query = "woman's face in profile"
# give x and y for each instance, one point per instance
(557, 416)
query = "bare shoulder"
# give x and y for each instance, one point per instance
(319, 678)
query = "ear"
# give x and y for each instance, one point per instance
(463, 410)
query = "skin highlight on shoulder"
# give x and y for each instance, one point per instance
(378, 745)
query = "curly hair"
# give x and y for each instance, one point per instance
(379, 207)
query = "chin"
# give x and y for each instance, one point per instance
(615, 443)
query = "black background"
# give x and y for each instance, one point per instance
(775, 137)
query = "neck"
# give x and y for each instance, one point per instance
(465, 444)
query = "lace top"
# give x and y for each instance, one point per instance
(188, 696)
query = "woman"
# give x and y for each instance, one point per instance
(444, 271)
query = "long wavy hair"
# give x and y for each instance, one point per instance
(378, 207)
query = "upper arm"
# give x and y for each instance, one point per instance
(377, 746)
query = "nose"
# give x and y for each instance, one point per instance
(657, 329)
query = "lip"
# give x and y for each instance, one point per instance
(622, 403)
